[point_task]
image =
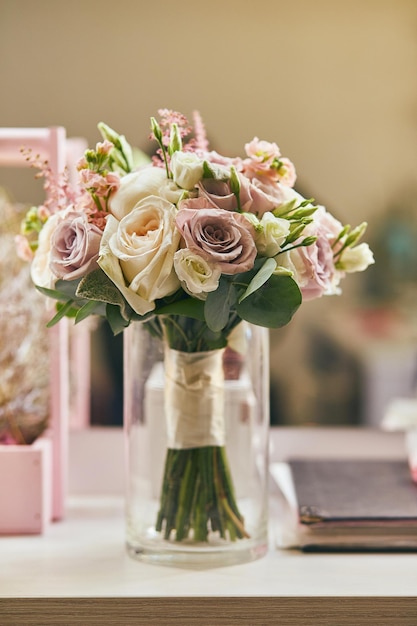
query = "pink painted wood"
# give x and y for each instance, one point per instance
(52, 145)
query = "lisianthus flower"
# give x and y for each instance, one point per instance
(270, 233)
(356, 259)
(313, 266)
(137, 253)
(221, 237)
(197, 275)
(186, 169)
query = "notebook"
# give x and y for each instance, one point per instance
(347, 504)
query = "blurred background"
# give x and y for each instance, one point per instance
(334, 83)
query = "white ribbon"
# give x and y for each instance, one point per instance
(194, 398)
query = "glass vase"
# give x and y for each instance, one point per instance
(196, 428)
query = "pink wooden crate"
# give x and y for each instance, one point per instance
(25, 488)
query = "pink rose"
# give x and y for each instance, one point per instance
(75, 245)
(252, 198)
(221, 237)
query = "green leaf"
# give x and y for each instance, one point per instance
(115, 319)
(188, 307)
(218, 305)
(87, 309)
(64, 290)
(98, 286)
(63, 311)
(260, 278)
(273, 304)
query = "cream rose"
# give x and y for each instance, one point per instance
(134, 187)
(187, 169)
(198, 276)
(137, 253)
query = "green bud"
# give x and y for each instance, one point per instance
(301, 213)
(355, 235)
(284, 209)
(307, 202)
(156, 129)
(108, 133)
(308, 241)
(234, 181)
(235, 186)
(294, 233)
(342, 234)
(175, 142)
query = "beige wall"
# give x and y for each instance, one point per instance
(333, 83)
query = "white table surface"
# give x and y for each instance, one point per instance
(83, 558)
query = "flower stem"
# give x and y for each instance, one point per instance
(198, 496)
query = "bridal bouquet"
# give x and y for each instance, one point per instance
(190, 244)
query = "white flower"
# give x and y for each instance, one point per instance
(199, 276)
(137, 253)
(356, 259)
(272, 234)
(134, 187)
(40, 270)
(187, 169)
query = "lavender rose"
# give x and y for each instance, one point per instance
(220, 237)
(252, 198)
(75, 245)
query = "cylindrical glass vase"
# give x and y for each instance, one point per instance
(196, 428)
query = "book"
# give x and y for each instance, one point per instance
(347, 505)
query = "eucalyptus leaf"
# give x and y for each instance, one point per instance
(188, 307)
(65, 310)
(272, 305)
(86, 310)
(260, 278)
(64, 290)
(218, 305)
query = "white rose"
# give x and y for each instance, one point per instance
(356, 259)
(187, 169)
(40, 269)
(134, 187)
(199, 276)
(137, 253)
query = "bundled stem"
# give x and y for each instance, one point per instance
(198, 496)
